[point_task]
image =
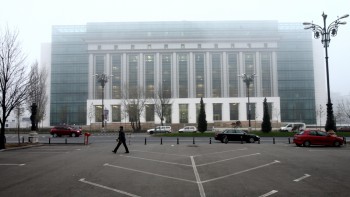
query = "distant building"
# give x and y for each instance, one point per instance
(188, 60)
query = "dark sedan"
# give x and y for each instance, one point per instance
(236, 135)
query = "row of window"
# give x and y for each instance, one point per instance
(117, 114)
(182, 46)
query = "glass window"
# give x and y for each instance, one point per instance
(266, 74)
(252, 111)
(116, 113)
(233, 74)
(133, 75)
(199, 66)
(217, 111)
(98, 113)
(149, 112)
(234, 112)
(249, 64)
(149, 75)
(183, 75)
(183, 109)
(116, 78)
(216, 75)
(99, 69)
(166, 75)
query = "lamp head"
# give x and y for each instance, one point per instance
(345, 16)
(307, 23)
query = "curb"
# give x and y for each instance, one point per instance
(21, 147)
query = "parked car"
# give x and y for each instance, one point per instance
(343, 129)
(236, 135)
(315, 137)
(160, 129)
(65, 130)
(188, 129)
(293, 127)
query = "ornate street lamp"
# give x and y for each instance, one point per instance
(103, 79)
(248, 80)
(325, 34)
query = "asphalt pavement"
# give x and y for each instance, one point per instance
(170, 169)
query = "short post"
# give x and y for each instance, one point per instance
(22, 139)
(209, 140)
(273, 140)
(145, 141)
(344, 139)
(177, 141)
(161, 141)
(241, 139)
(259, 141)
(65, 140)
(289, 140)
(194, 141)
(49, 140)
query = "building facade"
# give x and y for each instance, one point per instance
(186, 61)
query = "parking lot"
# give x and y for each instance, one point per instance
(169, 169)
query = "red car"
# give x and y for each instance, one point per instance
(314, 137)
(65, 130)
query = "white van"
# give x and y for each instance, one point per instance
(293, 127)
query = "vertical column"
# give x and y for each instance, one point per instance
(258, 78)
(107, 71)
(241, 70)
(158, 77)
(226, 110)
(91, 94)
(141, 73)
(225, 77)
(274, 75)
(192, 76)
(207, 75)
(174, 76)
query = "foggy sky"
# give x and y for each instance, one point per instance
(34, 19)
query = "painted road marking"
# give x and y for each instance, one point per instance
(160, 153)
(12, 164)
(108, 188)
(157, 160)
(220, 152)
(164, 176)
(269, 193)
(301, 178)
(240, 172)
(199, 183)
(229, 159)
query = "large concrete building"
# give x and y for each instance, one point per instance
(187, 60)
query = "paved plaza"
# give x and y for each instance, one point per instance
(202, 169)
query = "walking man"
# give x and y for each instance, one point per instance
(121, 139)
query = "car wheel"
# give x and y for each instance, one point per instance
(225, 139)
(54, 135)
(73, 135)
(251, 140)
(298, 145)
(307, 143)
(336, 144)
(151, 132)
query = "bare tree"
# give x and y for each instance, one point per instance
(37, 87)
(162, 103)
(14, 77)
(344, 109)
(134, 103)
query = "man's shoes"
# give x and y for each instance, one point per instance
(127, 152)
(114, 151)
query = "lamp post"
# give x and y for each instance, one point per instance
(103, 79)
(325, 34)
(248, 80)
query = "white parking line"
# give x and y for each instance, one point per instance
(229, 159)
(107, 164)
(221, 152)
(160, 153)
(301, 178)
(200, 185)
(157, 160)
(240, 172)
(105, 187)
(269, 193)
(11, 164)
